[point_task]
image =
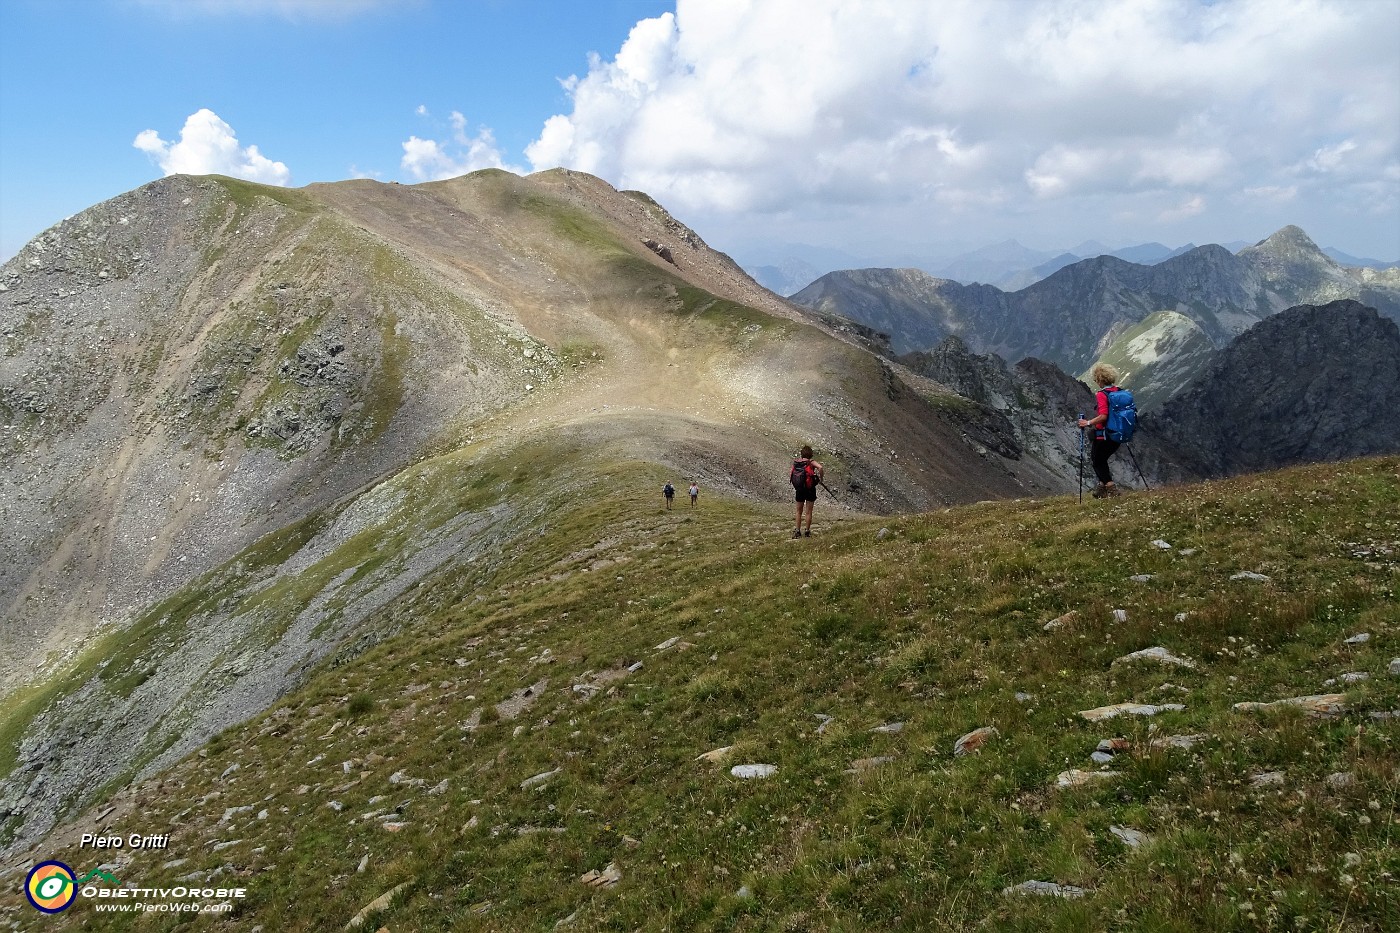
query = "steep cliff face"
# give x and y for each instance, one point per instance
(1312, 383)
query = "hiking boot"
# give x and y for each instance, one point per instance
(807, 533)
(797, 533)
(1101, 492)
(1112, 491)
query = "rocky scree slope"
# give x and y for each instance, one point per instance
(244, 422)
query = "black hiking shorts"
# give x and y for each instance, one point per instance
(807, 495)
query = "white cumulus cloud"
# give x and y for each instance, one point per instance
(208, 146)
(935, 112)
(432, 160)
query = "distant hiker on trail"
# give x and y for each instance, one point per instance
(1113, 425)
(669, 492)
(694, 493)
(806, 475)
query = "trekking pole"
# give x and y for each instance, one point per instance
(1081, 461)
(1138, 468)
(822, 484)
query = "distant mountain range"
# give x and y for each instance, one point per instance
(1078, 312)
(1007, 265)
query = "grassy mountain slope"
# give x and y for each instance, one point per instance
(623, 641)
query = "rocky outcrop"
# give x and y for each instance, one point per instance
(1022, 411)
(1313, 383)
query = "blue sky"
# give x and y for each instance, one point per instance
(891, 130)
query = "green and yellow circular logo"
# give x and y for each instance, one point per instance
(50, 887)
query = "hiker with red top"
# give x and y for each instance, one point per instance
(1113, 426)
(806, 475)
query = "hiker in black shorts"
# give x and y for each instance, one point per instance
(669, 492)
(806, 474)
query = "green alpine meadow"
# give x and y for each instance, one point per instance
(1174, 710)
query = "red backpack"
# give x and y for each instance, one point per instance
(803, 476)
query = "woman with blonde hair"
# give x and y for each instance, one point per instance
(1106, 378)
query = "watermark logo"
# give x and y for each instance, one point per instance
(50, 887)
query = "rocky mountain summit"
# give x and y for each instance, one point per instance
(1313, 383)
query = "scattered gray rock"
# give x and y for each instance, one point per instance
(606, 878)
(1061, 621)
(539, 778)
(668, 643)
(1161, 545)
(1131, 837)
(1120, 615)
(1267, 779)
(753, 771)
(717, 755)
(1142, 577)
(1360, 639)
(1128, 709)
(889, 728)
(1249, 575)
(1045, 889)
(1324, 705)
(1340, 779)
(1155, 654)
(379, 904)
(1394, 667)
(1351, 677)
(745, 893)
(1076, 778)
